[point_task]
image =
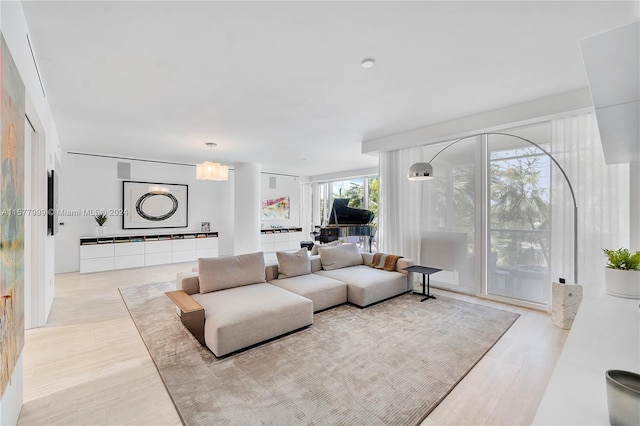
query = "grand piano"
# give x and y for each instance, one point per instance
(345, 222)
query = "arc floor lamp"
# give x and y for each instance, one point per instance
(424, 171)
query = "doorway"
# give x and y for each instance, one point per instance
(35, 202)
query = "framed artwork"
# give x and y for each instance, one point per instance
(12, 224)
(148, 205)
(276, 208)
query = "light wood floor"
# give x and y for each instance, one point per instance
(88, 366)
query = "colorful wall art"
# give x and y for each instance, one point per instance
(276, 208)
(12, 94)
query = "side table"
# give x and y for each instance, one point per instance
(426, 272)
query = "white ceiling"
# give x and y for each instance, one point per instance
(280, 83)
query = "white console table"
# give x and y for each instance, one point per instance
(278, 239)
(605, 336)
(121, 252)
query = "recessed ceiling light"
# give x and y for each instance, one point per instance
(367, 62)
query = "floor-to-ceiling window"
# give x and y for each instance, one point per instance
(449, 237)
(490, 195)
(501, 217)
(518, 219)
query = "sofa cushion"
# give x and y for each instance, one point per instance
(219, 273)
(325, 292)
(240, 317)
(292, 264)
(367, 285)
(340, 256)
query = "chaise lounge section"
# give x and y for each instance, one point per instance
(339, 274)
(240, 308)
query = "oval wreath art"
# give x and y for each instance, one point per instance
(158, 218)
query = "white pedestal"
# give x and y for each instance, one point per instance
(565, 301)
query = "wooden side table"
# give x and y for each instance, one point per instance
(426, 272)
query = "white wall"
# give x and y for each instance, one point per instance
(246, 208)
(285, 186)
(634, 205)
(14, 29)
(514, 115)
(90, 183)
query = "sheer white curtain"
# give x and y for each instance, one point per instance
(602, 193)
(400, 204)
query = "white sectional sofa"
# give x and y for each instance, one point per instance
(240, 301)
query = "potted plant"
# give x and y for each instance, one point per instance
(101, 219)
(622, 274)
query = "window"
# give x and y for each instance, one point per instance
(493, 192)
(518, 222)
(362, 192)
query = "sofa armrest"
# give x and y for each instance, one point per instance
(183, 301)
(191, 313)
(188, 282)
(403, 263)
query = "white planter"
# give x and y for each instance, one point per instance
(100, 231)
(622, 283)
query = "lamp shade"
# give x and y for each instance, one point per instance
(212, 171)
(420, 171)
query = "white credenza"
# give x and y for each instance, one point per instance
(605, 336)
(280, 239)
(121, 252)
(126, 255)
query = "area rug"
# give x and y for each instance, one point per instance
(391, 363)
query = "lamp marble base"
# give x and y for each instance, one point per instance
(565, 301)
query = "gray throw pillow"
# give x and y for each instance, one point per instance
(316, 246)
(340, 256)
(219, 273)
(292, 264)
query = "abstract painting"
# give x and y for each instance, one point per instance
(275, 208)
(12, 94)
(154, 205)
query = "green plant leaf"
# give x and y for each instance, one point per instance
(101, 218)
(622, 259)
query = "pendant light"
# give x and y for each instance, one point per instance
(212, 171)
